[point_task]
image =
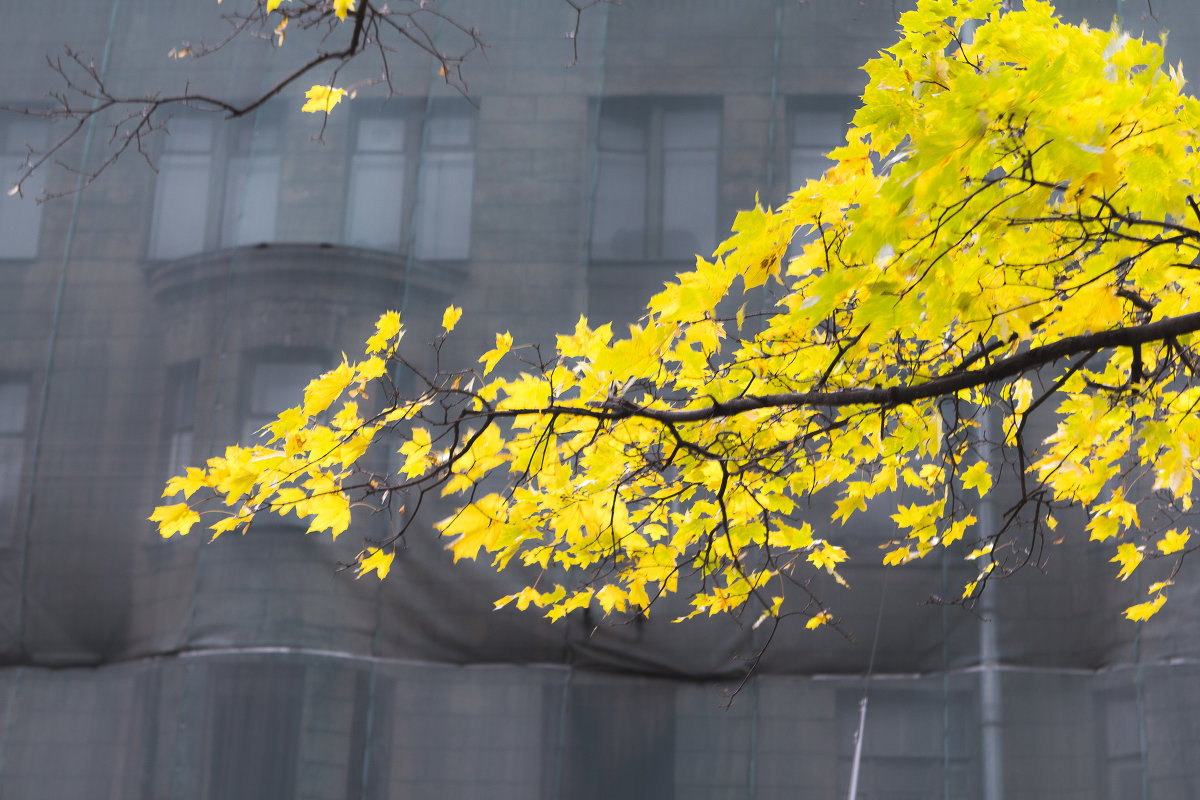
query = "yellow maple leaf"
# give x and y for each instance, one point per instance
(322, 391)
(818, 620)
(173, 519)
(899, 556)
(473, 527)
(450, 317)
(612, 597)
(322, 98)
(374, 367)
(980, 551)
(347, 419)
(340, 7)
(272, 5)
(827, 556)
(1173, 541)
(416, 452)
(491, 357)
(229, 523)
(375, 558)
(1144, 611)
(1128, 556)
(330, 512)
(188, 484)
(977, 478)
(386, 329)
(288, 421)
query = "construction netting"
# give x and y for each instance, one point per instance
(167, 305)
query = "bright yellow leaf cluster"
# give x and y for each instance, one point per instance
(1005, 241)
(308, 453)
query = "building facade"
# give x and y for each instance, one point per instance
(171, 306)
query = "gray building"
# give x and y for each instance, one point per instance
(162, 313)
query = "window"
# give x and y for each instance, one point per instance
(818, 125)
(14, 401)
(218, 185)
(20, 216)
(409, 169)
(274, 384)
(656, 180)
(180, 423)
(251, 186)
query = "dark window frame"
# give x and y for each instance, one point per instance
(256, 136)
(843, 106)
(251, 418)
(16, 145)
(14, 438)
(414, 118)
(651, 113)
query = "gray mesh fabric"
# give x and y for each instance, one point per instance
(159, 315)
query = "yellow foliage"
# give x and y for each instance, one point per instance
(173, 519)
(377, 559)
(450, 317)
(490, 358)
(1144, 611)
(1173, 541)
(322, 98)
(817, 620)
(1128, 556)
(1031, 188)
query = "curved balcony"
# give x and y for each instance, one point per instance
(288, 269)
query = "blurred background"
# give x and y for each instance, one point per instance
(168, 310)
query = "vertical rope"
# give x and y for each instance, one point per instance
(594, 159)
(52, 344)
(945, 679)
(862, 704)
(774, 120)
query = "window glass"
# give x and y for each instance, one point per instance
(656, 182)
(388, 189)
(619, 218)
(815, 131)
(377, 174)
(274, 386)
(21, 215)
(251, 186)
(444, 193)
(217, 186)
(182, 189)
(14, 399)
(181, 417)
(689, 183)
